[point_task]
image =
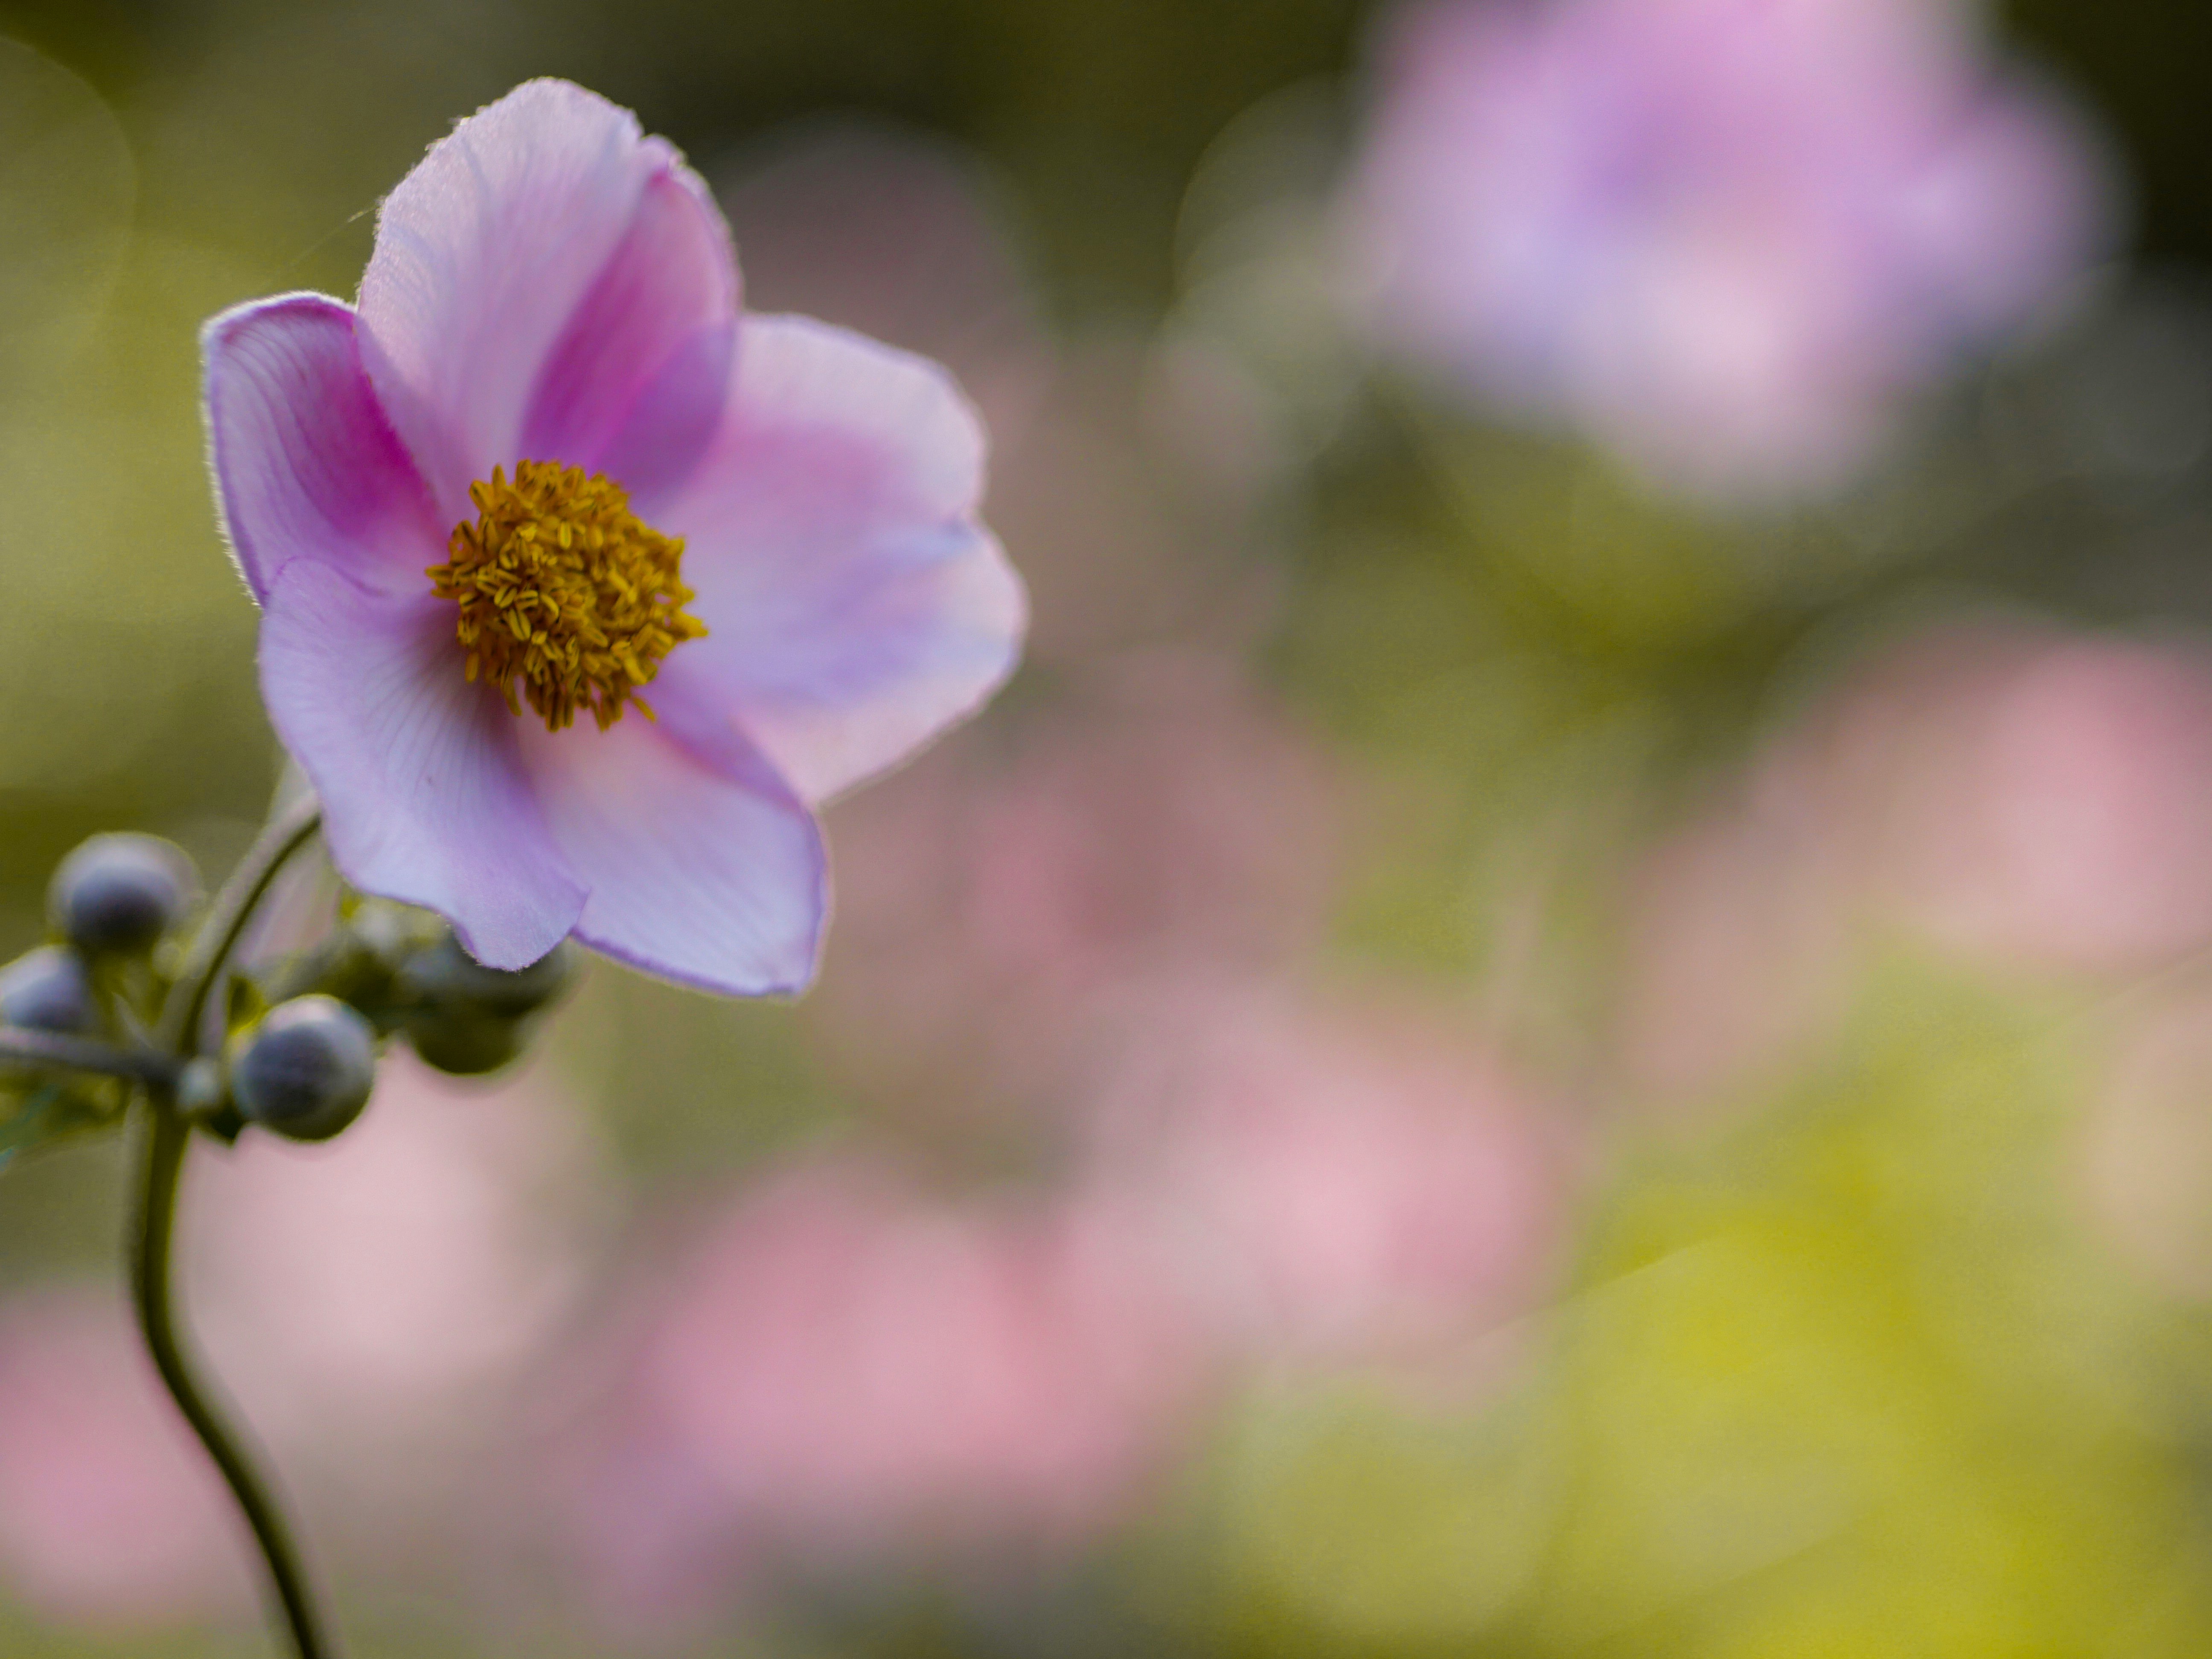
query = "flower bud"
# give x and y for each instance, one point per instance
(391, 933)
(464, 1042)
(119, 894)
(446, 976)
(305, 1069)
(48, 990)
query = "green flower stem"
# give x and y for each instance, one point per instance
(151, 1067)
(167, 1138)
(226, 923)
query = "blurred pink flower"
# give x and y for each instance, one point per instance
(2035, 800)
(647, 1545)
(1725, 237)
(378, 1305)
(2038, 799)
(846, 1373)
(554, 295)
(863, 1370)
(1333, 1181)
(374, 1304)
(110, 1513)
(1165, 818)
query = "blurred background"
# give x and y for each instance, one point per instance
(1567, 1011)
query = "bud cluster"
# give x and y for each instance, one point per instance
(405, 973)
(300, 1052)
(112, 906)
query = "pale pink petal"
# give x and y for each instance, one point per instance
(701, 865)
(483, 255)
(423, 798)
(855, 605)
(306, 464)
(660, 446)
(636, 387)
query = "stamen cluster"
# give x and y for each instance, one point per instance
(563, 589)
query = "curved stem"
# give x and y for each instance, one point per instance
(32, 1048)
(227, 918)
(167, 1137)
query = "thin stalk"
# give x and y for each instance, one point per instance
(34, 1048)
(167, 1138)
(226, 923)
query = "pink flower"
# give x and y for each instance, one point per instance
(1334, 1183)
(859, 1370)
(2049, 798)
(2028, 798)
(746, 547)
(390, 1290)
(109, 1512)
(1725, 237)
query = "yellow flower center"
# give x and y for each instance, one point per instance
(562, 588)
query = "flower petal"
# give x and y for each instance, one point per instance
(484, 254)
(660, 446)
(649, 347)
(703, 867)
(306, 464)
(424, 800)
(855, 605)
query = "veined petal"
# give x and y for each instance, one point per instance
(634, 388)
(424, 798)
(306, 464)
(854, 606)
(483, 255)
(703, 867)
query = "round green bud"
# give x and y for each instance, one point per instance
(48, 990)
(118, 895)
(391, 933)
(446, 976)
(465, 1041)
(305, 1069)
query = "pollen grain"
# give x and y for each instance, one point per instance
(566, 597)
